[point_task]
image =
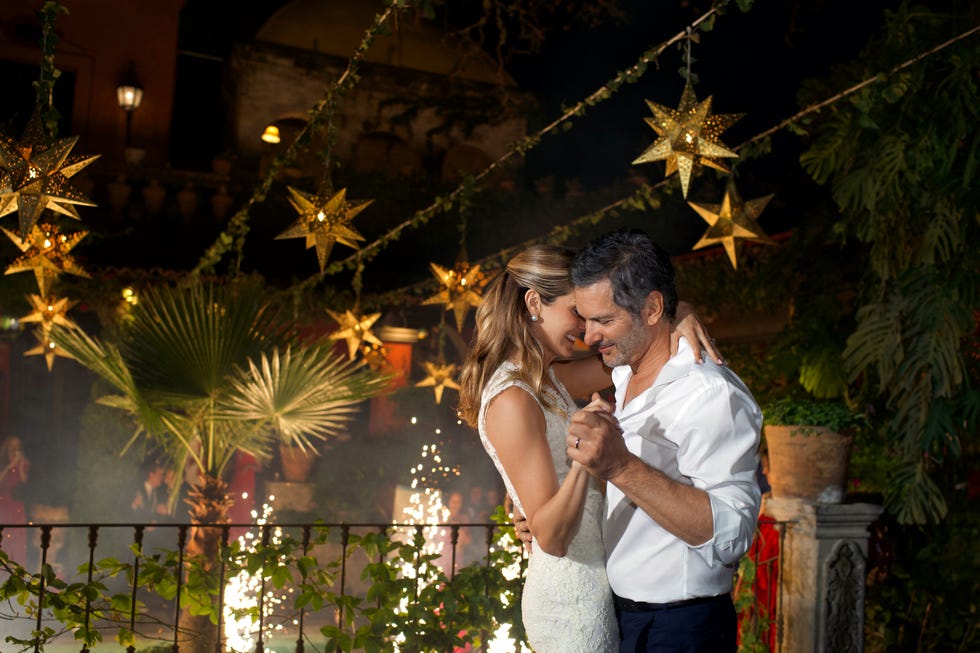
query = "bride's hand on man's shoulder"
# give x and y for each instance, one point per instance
(688, 325)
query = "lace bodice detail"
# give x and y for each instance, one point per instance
(557, 421)
(566, 604)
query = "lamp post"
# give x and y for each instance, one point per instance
(129, 93)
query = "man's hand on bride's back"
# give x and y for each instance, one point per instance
(522, 529)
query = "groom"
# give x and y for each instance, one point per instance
(678, 454)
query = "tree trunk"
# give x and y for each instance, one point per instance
(209, 505)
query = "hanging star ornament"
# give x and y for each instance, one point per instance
(731, 220)
(46, 348)
(49, 311)
(461, 287)
(688, 137)
(441, 376)
(45, 251)
(324, 221)
(376, 357)
(34, 175)
(355, 329)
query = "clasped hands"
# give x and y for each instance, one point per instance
(595, 439)
(595, 442)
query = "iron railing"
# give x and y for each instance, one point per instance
(54, 547)
(65, 558)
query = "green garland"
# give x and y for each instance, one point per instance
(234, 236)
(644, 198)
(44, 86)
(522, 146)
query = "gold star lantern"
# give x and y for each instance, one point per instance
(46, 348)
(324, 221)
(688, 137)
(441, 376)
(355, 329)
(34, 175)
(45, 251)
(461, 287)
(49, 311)
(376, 357)
(731, 220)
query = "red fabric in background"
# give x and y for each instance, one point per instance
(764, 552)
(242, 481)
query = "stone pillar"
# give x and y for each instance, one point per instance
(822, 574)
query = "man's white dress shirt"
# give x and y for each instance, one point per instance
(698, 424)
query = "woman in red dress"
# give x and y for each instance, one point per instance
(14, 467)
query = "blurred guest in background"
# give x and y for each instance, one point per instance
(14, 467)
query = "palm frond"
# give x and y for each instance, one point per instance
(185, 341)
(304, 394)
(101, 358)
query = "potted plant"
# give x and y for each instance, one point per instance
(808, 442)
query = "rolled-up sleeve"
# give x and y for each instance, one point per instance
(718, 438)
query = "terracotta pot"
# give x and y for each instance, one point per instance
(297, 464)
(807, 462)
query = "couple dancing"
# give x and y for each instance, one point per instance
(637, 512)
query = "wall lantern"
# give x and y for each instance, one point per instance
(271, 134)
(129, 93)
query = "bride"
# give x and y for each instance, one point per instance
(517, 387)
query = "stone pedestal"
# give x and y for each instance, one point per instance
(288, 495)
(822, 574)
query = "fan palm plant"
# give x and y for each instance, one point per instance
(206, 370)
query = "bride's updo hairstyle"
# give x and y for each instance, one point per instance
(503, 325)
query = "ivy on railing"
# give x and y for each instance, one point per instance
(410, 599)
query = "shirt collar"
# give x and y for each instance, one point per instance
(677, 366)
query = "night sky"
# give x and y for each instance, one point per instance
(750, 63)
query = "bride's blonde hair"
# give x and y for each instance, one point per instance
(503, 325)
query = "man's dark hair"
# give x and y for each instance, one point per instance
(634, 265)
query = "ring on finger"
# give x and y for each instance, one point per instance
(577, 442)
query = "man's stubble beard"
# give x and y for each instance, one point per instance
(626, 349)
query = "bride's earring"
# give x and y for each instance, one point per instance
(534, 318)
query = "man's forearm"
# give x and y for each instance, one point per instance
(683, 510)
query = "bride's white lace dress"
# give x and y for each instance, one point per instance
(567, 604)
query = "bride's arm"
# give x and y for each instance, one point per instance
(515, 426)
(583, 376)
